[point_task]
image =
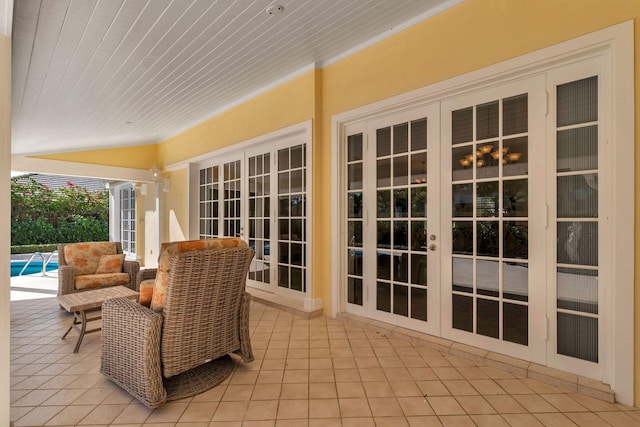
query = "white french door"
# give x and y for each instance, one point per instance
(494, 219)
(393, 224)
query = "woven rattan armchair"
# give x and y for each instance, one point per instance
(184, 349)
(69, 276)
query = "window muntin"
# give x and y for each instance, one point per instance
(127, 195)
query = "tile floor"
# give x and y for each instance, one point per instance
(307, 372)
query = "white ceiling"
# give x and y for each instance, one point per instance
(105, 73)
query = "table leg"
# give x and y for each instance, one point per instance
(83, 328)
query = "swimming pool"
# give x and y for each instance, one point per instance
(34, 267)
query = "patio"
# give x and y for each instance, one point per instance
(307, 372)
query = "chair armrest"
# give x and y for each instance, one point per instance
(146, 274)
(245, 351)
(131, 267)
(131, 349)
(66, 280)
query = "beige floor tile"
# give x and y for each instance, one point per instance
(367, 362)
(238, 393)
(169, 412)
(445, 405)
(391, 422)
(593, 404)
(457, 421)
(293, 409)
(93, 397)
(372, 374)
(294, 391)
(295, 376)
(323, 408)
(346, 375)
(266, 391)
(354, 407)
(459, 387)
(198, 412)
(564, 403)
(586, 419)
(358, 422)
(353, 389)
(415, 406)
(433, 388)
(423, 374)
(70, 415)
(489, 421)
(618, 419)
(397, 374)
(323, 390)
(505, 404)
(38, 416)
(64, 397)
(475, 405)
(514, 386)
(325, 422)
(321, 376)
(522, 420)
(555, 420)
(102, 414)
(213, 395)
(534, 403)
(341, 363)
(487, 387)
(540, 387)
(35, 398)
(262, 410)
(270, 377)
(447, 373)
(378, 389)
(428, 421)
(405, 388)
(385, 407)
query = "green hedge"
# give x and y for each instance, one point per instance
(29, 249)
(44, 216)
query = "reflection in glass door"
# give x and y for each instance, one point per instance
(232, 202)
(401, 219)
(209, 190)
(490, 219)
(259, 218)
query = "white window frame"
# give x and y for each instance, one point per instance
(615, 45)
(115, 223)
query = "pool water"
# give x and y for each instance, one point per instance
(34, 267)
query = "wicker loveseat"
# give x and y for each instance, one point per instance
(180, 346)
(90, 265)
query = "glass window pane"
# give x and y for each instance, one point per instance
(515, 157)
(419, 134)
(401, 267)
(384, 234)
(487, 238)
(462, 125)
(354, 177)
(297, 232)
(355, 233)
(283, 159)
(383, 206)
(283, 226)
(487, 199)
(419, 304)
(578, 289)
(283, 276)
(515, 281)
(401, 300)
(401, 138)
(400, 203)
(383, 142)
(283, 182)
(516, 239)
(515, 323)
(297, 184)
(400, 235)
(354, 291)
(419, 236)
(462, 274)
(515, 200)
(578, 243)
(462, 236)
(488, 317)
(462, 313)
(355, 205)
(515, 115)
(297, 156)
(577, 102)
(383, 173)
(384, 265)
(462, 163)
(383, 297)
(419, 202)
(419, 269)
(578, 196)
(577, 149)
(354, 147)
(488, 277)
(578, 336)
(462, 200)
(419, 168)
(401, 170)
(487, 120)
(355, 262)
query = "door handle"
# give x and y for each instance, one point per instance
(432, 247)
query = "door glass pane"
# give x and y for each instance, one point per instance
(209, 203)
(489, 184)
(577, 213)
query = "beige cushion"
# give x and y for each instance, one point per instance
(85, 257)
(110, 264)
(100, 280)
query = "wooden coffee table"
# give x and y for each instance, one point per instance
(78, 303)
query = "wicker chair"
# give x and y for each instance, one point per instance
(67, 272)
(184, 349)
